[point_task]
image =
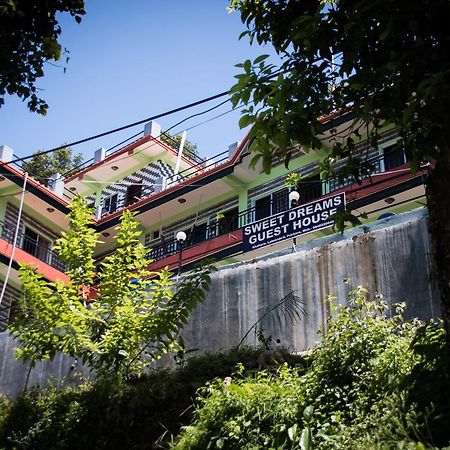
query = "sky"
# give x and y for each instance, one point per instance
(130, 60)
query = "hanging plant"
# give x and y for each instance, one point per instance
(292, 180)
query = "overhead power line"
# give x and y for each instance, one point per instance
(125, 127)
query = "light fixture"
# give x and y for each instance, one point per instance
(181, 236)
(105, 234)
(181, 200)
(50, 210)
(72, 188)
(294, 197)
(114, 168)
(389, 200)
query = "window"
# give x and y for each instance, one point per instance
(393, 157)
(110, 204)
(272, 204)
(198, 234)
(134, 192)
(310, 189)
(228, 221)
(35, 244)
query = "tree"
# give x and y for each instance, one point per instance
(189, 148)
(385, 61)
(134, 318)
(29, 33)
(42, 167)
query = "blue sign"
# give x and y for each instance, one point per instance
(295, 222)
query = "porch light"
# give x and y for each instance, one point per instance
(294, 197)
(181, 236)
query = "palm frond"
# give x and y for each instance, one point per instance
(289, 307)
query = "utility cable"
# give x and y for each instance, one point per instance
(125, 127)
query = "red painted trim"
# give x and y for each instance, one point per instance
(33, 182)
(379, 182)
(183, 184)
(200, 251)
(49, 272)
(130, 150)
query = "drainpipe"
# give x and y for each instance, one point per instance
(16, 234)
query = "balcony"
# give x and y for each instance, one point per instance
(168, 183)
(378, 177)
(37, 247)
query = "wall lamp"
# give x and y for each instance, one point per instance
(181, 237)
(294, 197)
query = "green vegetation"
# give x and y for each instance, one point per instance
(375, 382)
(134, 318)
(111, 414)
(42, 167)
(29, 33)
(189, 148)
(359, 57)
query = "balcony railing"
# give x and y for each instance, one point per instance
(309, 191)
(186, 174)
(33, 247)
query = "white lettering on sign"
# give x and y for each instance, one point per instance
(295, 222)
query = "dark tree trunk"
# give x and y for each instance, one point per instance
(438, 199)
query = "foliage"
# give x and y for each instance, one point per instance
(138, 414)
(134, 318)
(380, 63)
(338, 55)
(293, 180)
(42, 167)
(358, 392)
(290, 307)
(189, 148)
(29, 33)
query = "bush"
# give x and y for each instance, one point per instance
(369, 386)
(142, 413)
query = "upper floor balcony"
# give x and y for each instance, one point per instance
(386, 174)
(33, 247)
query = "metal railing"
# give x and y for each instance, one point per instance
(309, 191)
(32, 246)
(186, 174)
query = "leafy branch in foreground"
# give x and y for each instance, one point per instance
(134, 318)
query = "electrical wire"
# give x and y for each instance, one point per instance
(124, 127)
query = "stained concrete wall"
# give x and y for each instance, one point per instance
(390, 257)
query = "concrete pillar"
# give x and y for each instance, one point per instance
(6, 153)
(56, 184)
(242, 205)
(160, 184)
(152, 129)
(232, 148)
(99, 155)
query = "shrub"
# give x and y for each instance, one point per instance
(362, 390)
